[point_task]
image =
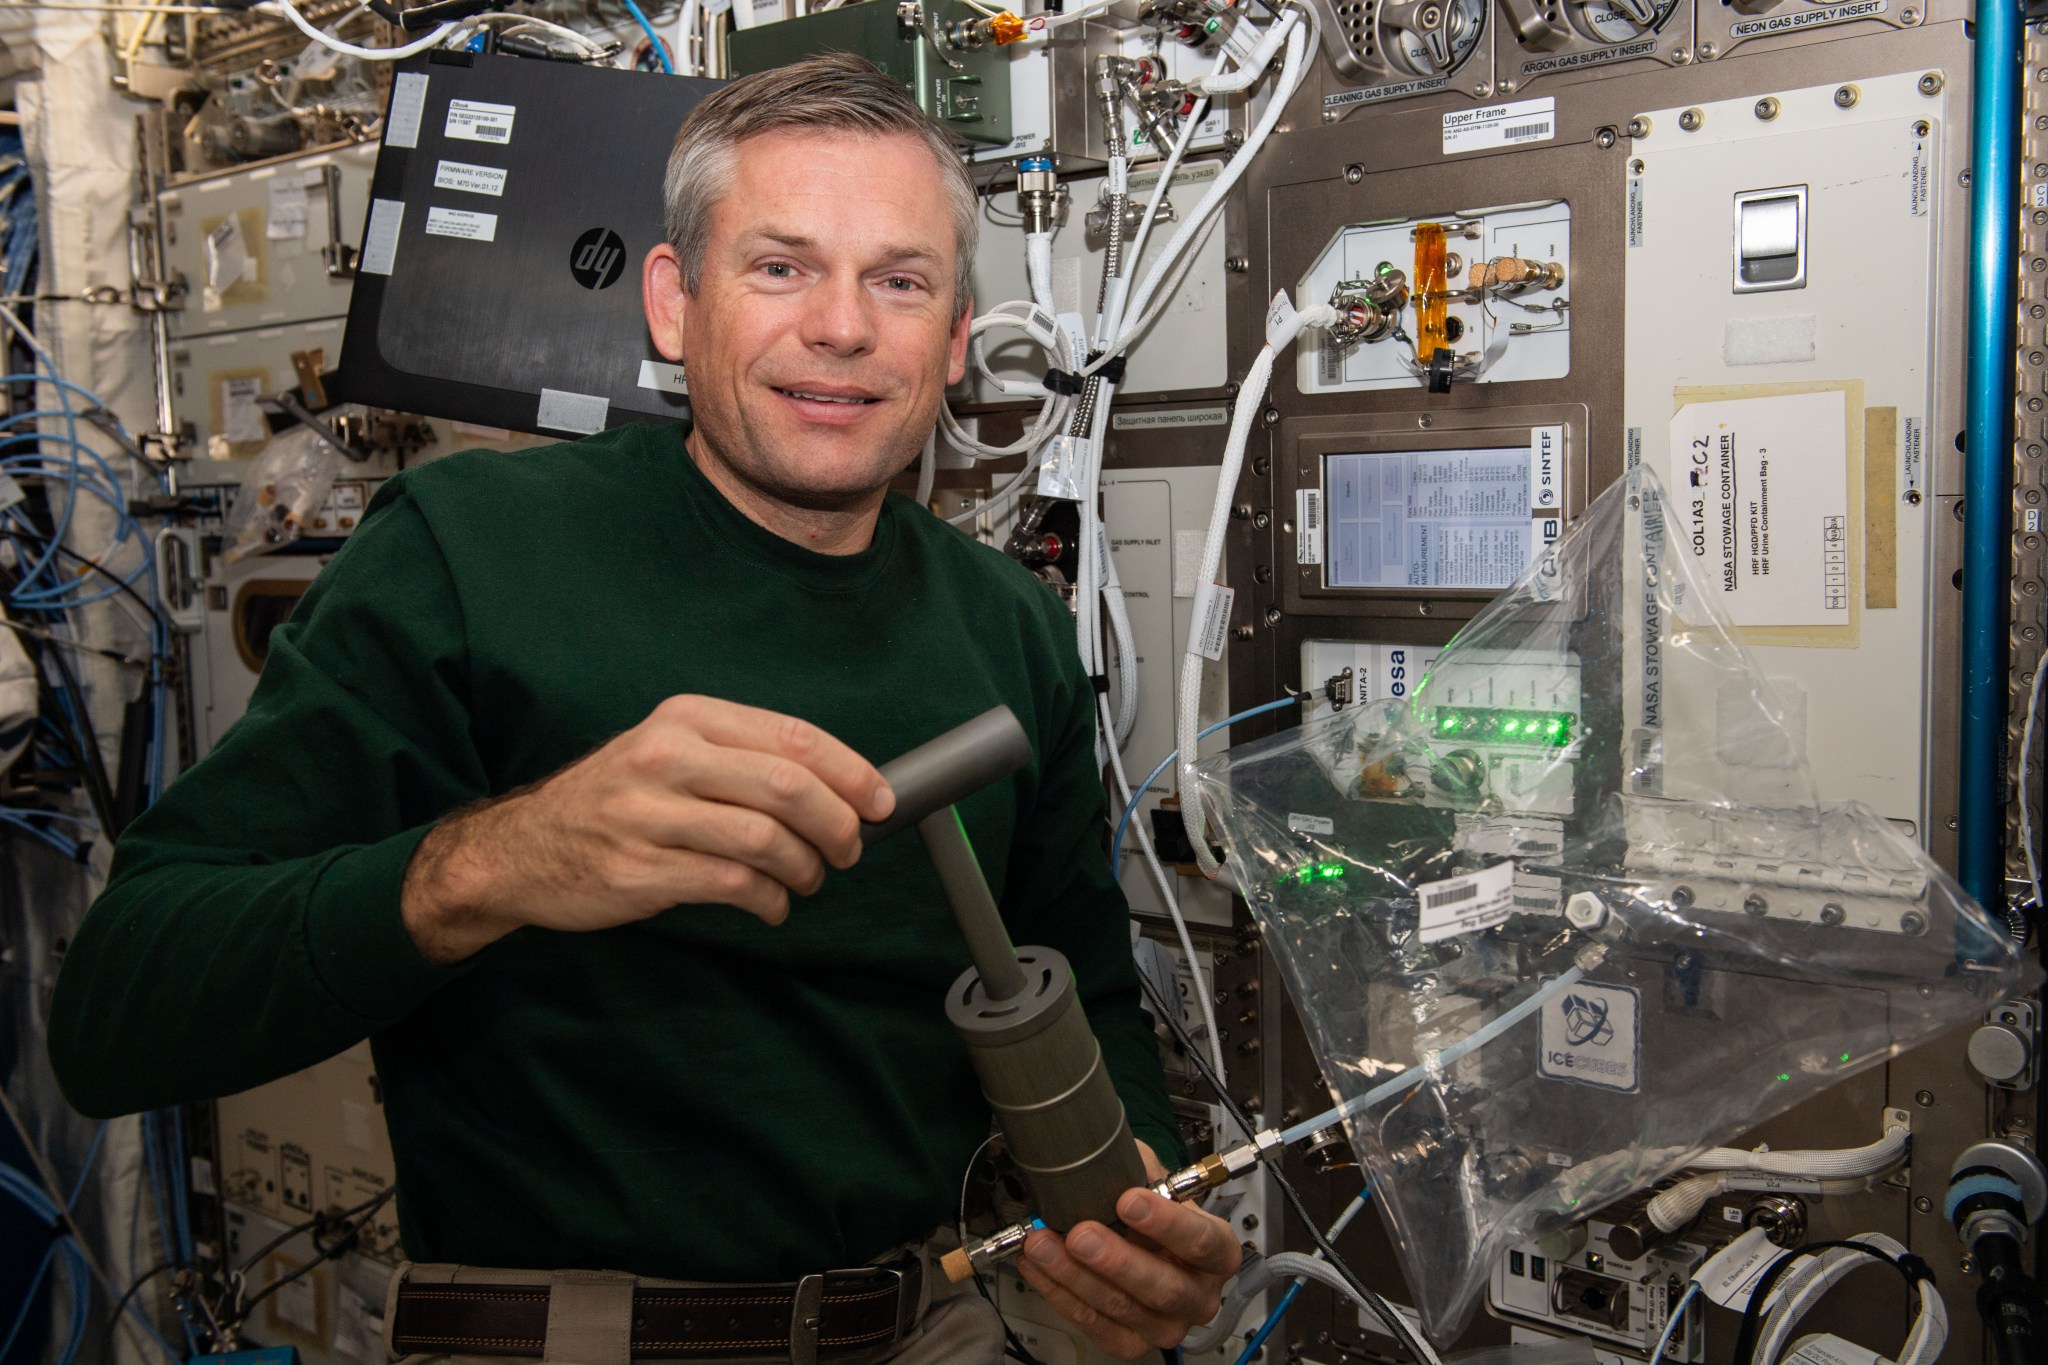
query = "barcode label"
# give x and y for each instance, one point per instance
(1500, 125)
(1463, 905)
(1308, 525)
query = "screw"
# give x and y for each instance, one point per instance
(1425, 608)
(1262, 465)
(1425, 421)
(1638, 126)
(1755, 904)
(1243, 632)
(1767, 108)
(1923, 1205)
(1329, 115)
(1912, 497)
(1681, 896)
(1909, 16)
(1241, 512)
(1950, 822)
(1846, 97)
(1921, 128)
(1691, 120)
(1832, 914)
(1605, 138)
(1968, 1263)
(1262, 520)
(1708, 52)
(1354, 173)
(1483, 89)
(1913, 922)
(1507, 87)
(1250, 1222)
(1925, 1099)
(1635, 167)
(1271, 417)
(1237, 265)
(1931, 83)
(1681, 55)
(1963, 178)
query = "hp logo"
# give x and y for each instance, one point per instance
(597, 259)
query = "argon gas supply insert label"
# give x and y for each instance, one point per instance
(1463, 905)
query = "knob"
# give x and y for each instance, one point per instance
(2002, 1054)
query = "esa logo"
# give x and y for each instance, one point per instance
(597, 259)
(1397, 673)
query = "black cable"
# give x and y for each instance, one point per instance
(345, 1242)
(121, 1305)
(312, 1225)
(1396, 1325)
(86, 745)
(86, 561)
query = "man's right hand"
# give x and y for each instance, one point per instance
(704, 802)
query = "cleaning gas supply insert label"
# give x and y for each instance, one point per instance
(1759, 492)
(1500, 125)
(1463, 905)
(476, 121)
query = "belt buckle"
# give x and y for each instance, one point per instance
(806, 1312)
(903, 1265)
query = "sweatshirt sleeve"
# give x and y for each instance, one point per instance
(1060, 893)
(250, 926)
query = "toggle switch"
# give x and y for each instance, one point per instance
(1770, 240)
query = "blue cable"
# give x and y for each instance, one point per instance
(660, 52)
(1266, 1328)
(1116, 845)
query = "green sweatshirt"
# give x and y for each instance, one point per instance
(700, 1095)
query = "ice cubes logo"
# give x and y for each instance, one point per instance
(1585, 1021)
(597, 259)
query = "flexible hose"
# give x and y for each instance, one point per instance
(1813, 1276)
(1677, 1206)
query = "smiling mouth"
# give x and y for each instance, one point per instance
(850, 399)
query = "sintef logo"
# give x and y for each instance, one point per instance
(597, 258)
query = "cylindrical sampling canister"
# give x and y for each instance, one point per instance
(1043, 1074)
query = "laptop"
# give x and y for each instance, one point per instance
(498, 281)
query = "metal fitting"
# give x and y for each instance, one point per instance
(1040, 197)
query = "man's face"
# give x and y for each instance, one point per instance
(821, 335)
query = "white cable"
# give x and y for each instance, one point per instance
(1041, 328)
(1038, 268)
(1292, 72)
(999, 497)
(1282, 326)
(1124, 647)
(1677, 1206)
(927, 468)
(1295, 1265)
(1811, 1277)
(285, 8)
(1672, 1209)
(1255, 64)
(2026, 759)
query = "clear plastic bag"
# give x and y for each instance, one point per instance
(1571, 913)
(286, 484)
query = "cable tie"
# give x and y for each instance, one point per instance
(1914, 1268)
(1060, 381)
(1111, 373)
(1100, 682)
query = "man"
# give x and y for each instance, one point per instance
(552, 785)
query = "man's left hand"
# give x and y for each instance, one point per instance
(1140, 1288)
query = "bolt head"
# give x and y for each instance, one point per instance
(1832, 914)
(1329, 115)
(1681, 896)
(1846, 97)
(1691, 120)
(1923, 1205)
(1483, 89)
(1921, 128)
(1755, 905)
(1909, 16)
(1639, 127)
(1507, 87)
(1924, 1098)
(1932, 83)
(1605, 138)
(1353, 174)
(1767, 108)
(1708, 52)
(1913, 922)
(1681, 56)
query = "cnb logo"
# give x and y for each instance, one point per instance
(597, 258)
(1585, 1021)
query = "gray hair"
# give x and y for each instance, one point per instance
(834, 93)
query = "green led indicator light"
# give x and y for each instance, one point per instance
(1845, 1056)
(1546, 728)
(1784, 1075)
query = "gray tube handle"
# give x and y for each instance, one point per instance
(957, 764)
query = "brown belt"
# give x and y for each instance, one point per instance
(575, 1316)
